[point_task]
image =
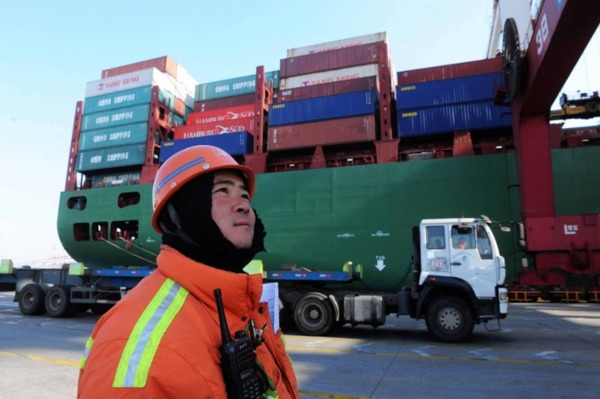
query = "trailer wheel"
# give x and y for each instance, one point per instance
(58, 301)
(450, 319)
(314, 314)
(31, 299)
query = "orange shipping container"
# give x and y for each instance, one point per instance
(163, 64)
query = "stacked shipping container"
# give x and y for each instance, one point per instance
(328, 94)
(224, 115)
(126, 115)
(450, 98)
(330, 104)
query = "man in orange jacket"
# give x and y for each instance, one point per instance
(162, 339)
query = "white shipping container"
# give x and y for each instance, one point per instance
(188, 80)
(131, 80)
(331, 75)
(337, 44)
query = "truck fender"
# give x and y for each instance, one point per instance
(336, 307)
(439, 283)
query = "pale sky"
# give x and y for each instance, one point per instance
(49, 50)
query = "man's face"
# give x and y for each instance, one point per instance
(231, 209)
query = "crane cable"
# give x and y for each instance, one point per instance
(124, 250)
(137, 246)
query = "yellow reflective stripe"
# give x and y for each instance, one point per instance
(270, 395)
(86, 352)
(143, 342)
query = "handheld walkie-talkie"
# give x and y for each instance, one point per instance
(238, 360)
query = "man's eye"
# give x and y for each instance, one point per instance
(220, 190)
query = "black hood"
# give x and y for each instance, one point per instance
(189, 228)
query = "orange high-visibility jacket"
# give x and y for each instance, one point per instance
(162, 339)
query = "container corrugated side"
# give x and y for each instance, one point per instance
(126, 98)
(337, 44)
(334, 131)
(334, 59)
(116, 179)
(113, 137)
(450, 71)
(447, 91)
(213, 129)
(221, 114)
(184, 77)
(321, 108)
(116, 117)
(234, 101)
(163, 64)
(452, 118)
(131, 80)
(238, 143)
(113, 157)
(333, 75)
(232, 87)
(327, 89)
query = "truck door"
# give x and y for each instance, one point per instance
(471, 258)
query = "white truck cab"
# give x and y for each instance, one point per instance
(459, 276)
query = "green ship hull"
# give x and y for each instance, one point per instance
(323, 218)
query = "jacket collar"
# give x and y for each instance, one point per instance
(241, 292)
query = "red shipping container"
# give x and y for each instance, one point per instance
(334, 59)
(221, 114)
(226, 102)
(334, 131)
(327, 89)
(451, 71)
(212, 129)
(163, 64)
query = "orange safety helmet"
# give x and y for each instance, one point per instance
(186, 165)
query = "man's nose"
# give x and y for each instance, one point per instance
(242, 205)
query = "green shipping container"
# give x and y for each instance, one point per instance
(116, 117)
(232, 87)
(108, 158)
(126, 98)
(113, 137)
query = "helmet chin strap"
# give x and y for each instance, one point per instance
(177, 222)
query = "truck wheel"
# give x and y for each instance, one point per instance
(58, 301)
(450, 319)
(31, 299)
(314, 314)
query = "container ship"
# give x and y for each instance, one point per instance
(350, 154)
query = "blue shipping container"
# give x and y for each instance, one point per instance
(116, 117)
(452, 118)
(322, 108)
(113, 136)
(447, 91)
(238, 143)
